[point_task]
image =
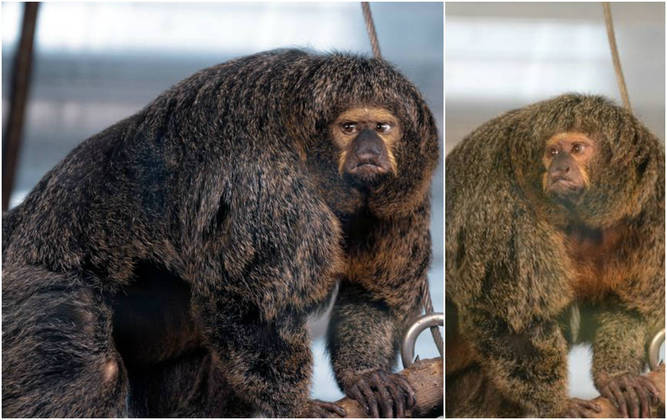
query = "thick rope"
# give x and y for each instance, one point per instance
(614, 56)
(370, 27)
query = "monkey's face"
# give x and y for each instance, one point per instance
(365, 139)
(567, 159)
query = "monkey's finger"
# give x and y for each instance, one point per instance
(606, 393)
(396, 394)
(618, 398)
(575, 412)
(631, 396)
(582, 408)
(369, 397)
(590, 405)
(407, 389)
(331, 408)
(647, 383)
(644, 399)
(579, 412)
(355, 393)
(384, 400)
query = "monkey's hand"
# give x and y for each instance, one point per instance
(577, 408)
(381, 393)
(323, 409)
(631, 393)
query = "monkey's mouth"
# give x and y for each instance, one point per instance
(562, 185)
(367, 169)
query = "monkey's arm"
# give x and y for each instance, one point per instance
(363, 339)
(627, 321)
(377, 300)
(619, 343)
(619, 356)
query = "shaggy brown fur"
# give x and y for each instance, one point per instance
(517, 260)
(167, 265)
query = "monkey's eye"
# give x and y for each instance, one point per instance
(577, 148)
(348, 127)
(383, 127)
(553, 151)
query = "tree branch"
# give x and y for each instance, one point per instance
(425, 376)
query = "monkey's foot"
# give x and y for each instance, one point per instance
(323, 409)
(577, 408)
(382, 393)
(630, 393)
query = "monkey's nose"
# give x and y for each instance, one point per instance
(561, 169)
(368, 154)
(369, 146)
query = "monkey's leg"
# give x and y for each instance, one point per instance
(363, 339)
(189, 386)
(268, 364)
(528, 366)
(471, 394)
(58, 356)
(618, 359)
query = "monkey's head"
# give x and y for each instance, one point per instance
(369, 139)
(583, 159)
(568, 158)
(365, 138)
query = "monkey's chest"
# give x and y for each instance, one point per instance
(597, 264)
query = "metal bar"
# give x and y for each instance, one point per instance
(423, 322)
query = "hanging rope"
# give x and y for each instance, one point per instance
(426, 294)
(18, 99)
(614, 56)
(370, 27)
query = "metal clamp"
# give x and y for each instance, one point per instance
(423, 322)
(654, 349)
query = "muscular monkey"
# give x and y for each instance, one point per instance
(167, 265)
(554, 208)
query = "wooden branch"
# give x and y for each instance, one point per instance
(425, 376)
(657, 409)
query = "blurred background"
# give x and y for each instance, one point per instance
(96, 63)
(501, 56)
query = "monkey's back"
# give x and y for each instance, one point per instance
(209, 151)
